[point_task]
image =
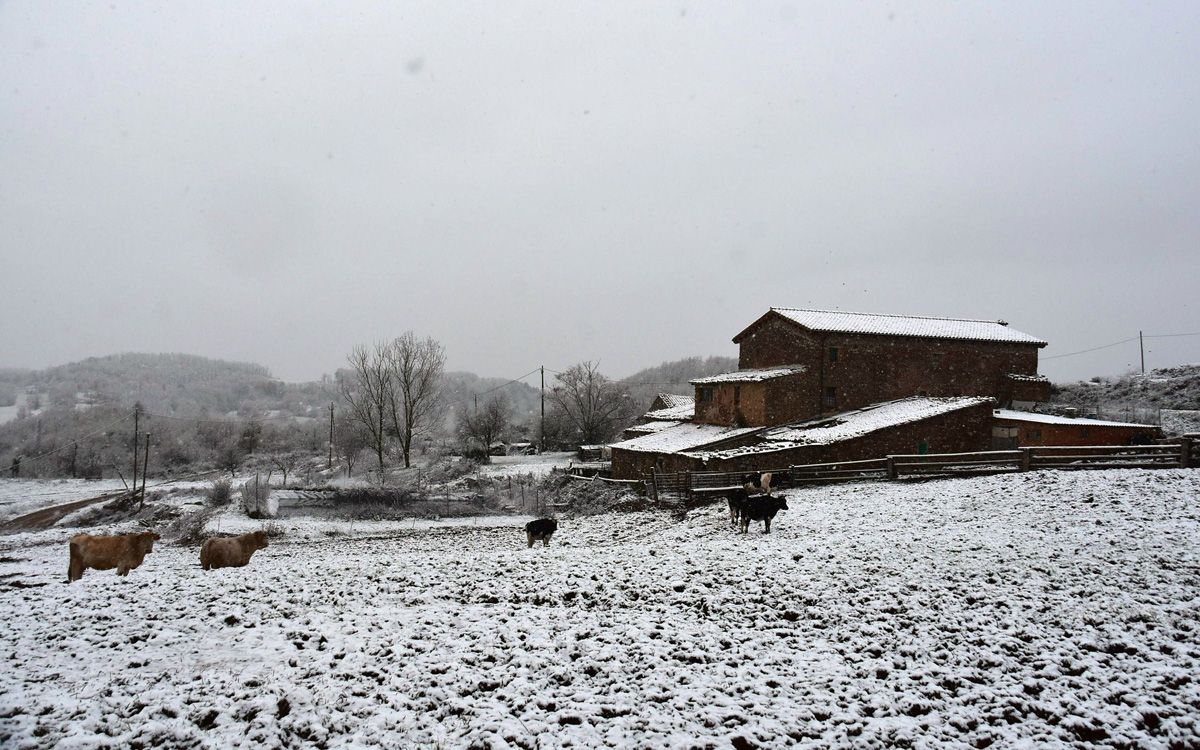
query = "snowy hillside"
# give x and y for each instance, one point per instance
(1044, 608)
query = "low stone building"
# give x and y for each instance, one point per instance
(1019, 429)
(920, 424)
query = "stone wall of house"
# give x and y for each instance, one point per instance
(628, 464)
(1034, 391)
(870, 369)
(766, 403)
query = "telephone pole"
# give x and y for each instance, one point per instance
(145, 463)
(137, 410)
(1142, 347)
(542, 429)
(331, 436)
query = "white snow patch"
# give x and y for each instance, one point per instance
(1031, 610)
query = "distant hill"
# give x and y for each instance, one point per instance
(673, 377)
(174, 384)
(1167, 388)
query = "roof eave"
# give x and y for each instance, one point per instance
(760, 320)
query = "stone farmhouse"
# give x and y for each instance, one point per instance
(819, 385)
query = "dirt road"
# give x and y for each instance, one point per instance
(47, 517)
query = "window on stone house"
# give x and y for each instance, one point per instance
(830, 395)
(706, 393)
(833, 354)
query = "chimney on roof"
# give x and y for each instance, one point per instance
(1002, 322)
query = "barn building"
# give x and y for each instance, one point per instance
(1012, 429)
(841, 386)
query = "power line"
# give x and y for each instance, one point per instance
(514, 380)
(1124, 341)
(1170, 335)
(231, 420)
(1093, 349)
(64, 446)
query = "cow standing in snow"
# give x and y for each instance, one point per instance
(231, 552)
(542, 528)
(124, 552)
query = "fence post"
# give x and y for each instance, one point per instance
(1026, 458)
(891, 467)
(1185, 453)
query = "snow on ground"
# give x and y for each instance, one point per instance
(1038, 609)
(510, 466)
(21, 496)
(1180, 421)
(304, 528)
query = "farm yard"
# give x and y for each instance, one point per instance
(1045, 608)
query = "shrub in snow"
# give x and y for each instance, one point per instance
(220, 493)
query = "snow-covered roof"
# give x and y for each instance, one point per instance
(1028, 416)
(1022, 378)
(652, 426)
(674, 414)
(686, 436)
(837, 321)
(848, 425)
(749, 376)
(674, 400)
(851, 424)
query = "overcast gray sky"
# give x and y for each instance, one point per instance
(629, 182)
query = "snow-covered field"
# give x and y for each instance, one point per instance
(20, 496)
(1039, 609)
(506, 466)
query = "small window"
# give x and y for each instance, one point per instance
(737, 395)
(833, 354)
(706, 393)
(830, 395)
(1034, 435)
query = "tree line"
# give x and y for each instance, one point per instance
(392, 402)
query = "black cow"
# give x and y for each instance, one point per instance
(543, 529)
(760, 484)
(761, 509)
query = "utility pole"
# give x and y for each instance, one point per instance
(74, 455)
(476, 402)
(542, 429)
(331, 436)
(145, 463)
(1142, 347)
(137, 410)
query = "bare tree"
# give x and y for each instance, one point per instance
(349, 439)
(485, 425)
(414, 403)
(286, 462)
(368, 391)
(594, 405)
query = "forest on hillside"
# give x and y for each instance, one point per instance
(78, 419)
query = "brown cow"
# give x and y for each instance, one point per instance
(231, 552)
(124, 552)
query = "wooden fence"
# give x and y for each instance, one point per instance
(687, 486)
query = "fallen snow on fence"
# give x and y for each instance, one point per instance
(1038, 609)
